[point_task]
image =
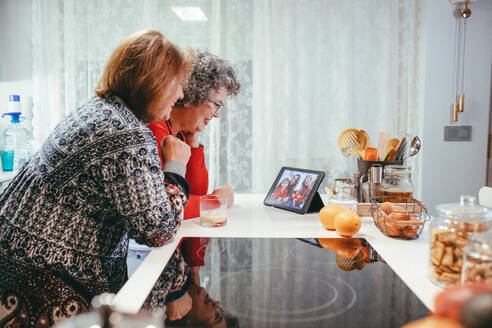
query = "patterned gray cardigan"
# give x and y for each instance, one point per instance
(66, 217)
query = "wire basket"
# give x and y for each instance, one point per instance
(399, 217)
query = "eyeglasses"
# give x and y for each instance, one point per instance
(219, 315)
(218, 105)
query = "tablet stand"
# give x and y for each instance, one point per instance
(316, 204)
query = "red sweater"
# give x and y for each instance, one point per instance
(197, 177)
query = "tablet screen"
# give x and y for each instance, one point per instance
(293, 188)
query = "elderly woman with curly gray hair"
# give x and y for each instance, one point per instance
(212, 79)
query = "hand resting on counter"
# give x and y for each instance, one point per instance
(225, 191)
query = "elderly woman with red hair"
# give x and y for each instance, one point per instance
(66, 216)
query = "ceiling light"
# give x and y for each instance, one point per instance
(189, 14)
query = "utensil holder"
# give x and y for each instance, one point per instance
(364, 166)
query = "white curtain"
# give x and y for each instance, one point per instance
(308, 69)
(320, 67)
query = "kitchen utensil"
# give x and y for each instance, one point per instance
(384, 137)
(375, 182)
(367, 138)
(352, 142)
(370, 154)
(392, 143)
(357, 185)
(401, 153)
(415, 146)
(363, 166)
(398, 148)
(389, 154)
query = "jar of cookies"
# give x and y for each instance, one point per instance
(449, 235)
(477, 261)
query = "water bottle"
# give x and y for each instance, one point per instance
(15, 104)
(16, 145)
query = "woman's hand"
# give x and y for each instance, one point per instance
(177, 309)
(173, 149)
(192, 139)
(226, 192)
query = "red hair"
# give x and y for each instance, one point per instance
(141, 68)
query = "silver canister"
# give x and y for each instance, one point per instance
(376, 179)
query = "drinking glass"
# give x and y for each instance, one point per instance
(213, 211)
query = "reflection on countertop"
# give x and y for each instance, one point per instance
(310, 282)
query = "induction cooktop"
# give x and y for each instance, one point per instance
(330, 282)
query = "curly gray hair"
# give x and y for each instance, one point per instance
(208, 73)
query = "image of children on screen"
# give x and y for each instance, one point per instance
(293, 188)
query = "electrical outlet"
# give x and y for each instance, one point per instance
(458, 133)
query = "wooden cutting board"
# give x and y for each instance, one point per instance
(383, 139)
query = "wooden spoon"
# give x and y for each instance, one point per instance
(352, 142)
(367, 138)
(384, 137)
(392, 143)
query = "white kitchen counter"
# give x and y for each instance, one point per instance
(6, 176)
(249, 218)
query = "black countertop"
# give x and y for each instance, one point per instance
(298, 283)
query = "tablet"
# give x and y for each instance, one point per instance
(294, 189)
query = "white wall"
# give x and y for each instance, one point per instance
(15, 40)
(15, 51)
(450, 169)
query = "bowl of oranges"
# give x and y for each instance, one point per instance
(399, 217)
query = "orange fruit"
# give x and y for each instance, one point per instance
(398, 216)
(399, 213)
(391, 229)
(386, 207)
(327, 215)
(348, 247)
(328, 243)
(347, 223)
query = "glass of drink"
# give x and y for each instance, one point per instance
(7, 160)
(213, 211)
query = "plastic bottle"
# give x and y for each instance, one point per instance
(16, 145)
(14, 104)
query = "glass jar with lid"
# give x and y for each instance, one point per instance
(449, 235)
(477, 260)
(345, 196)
(397, 184)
